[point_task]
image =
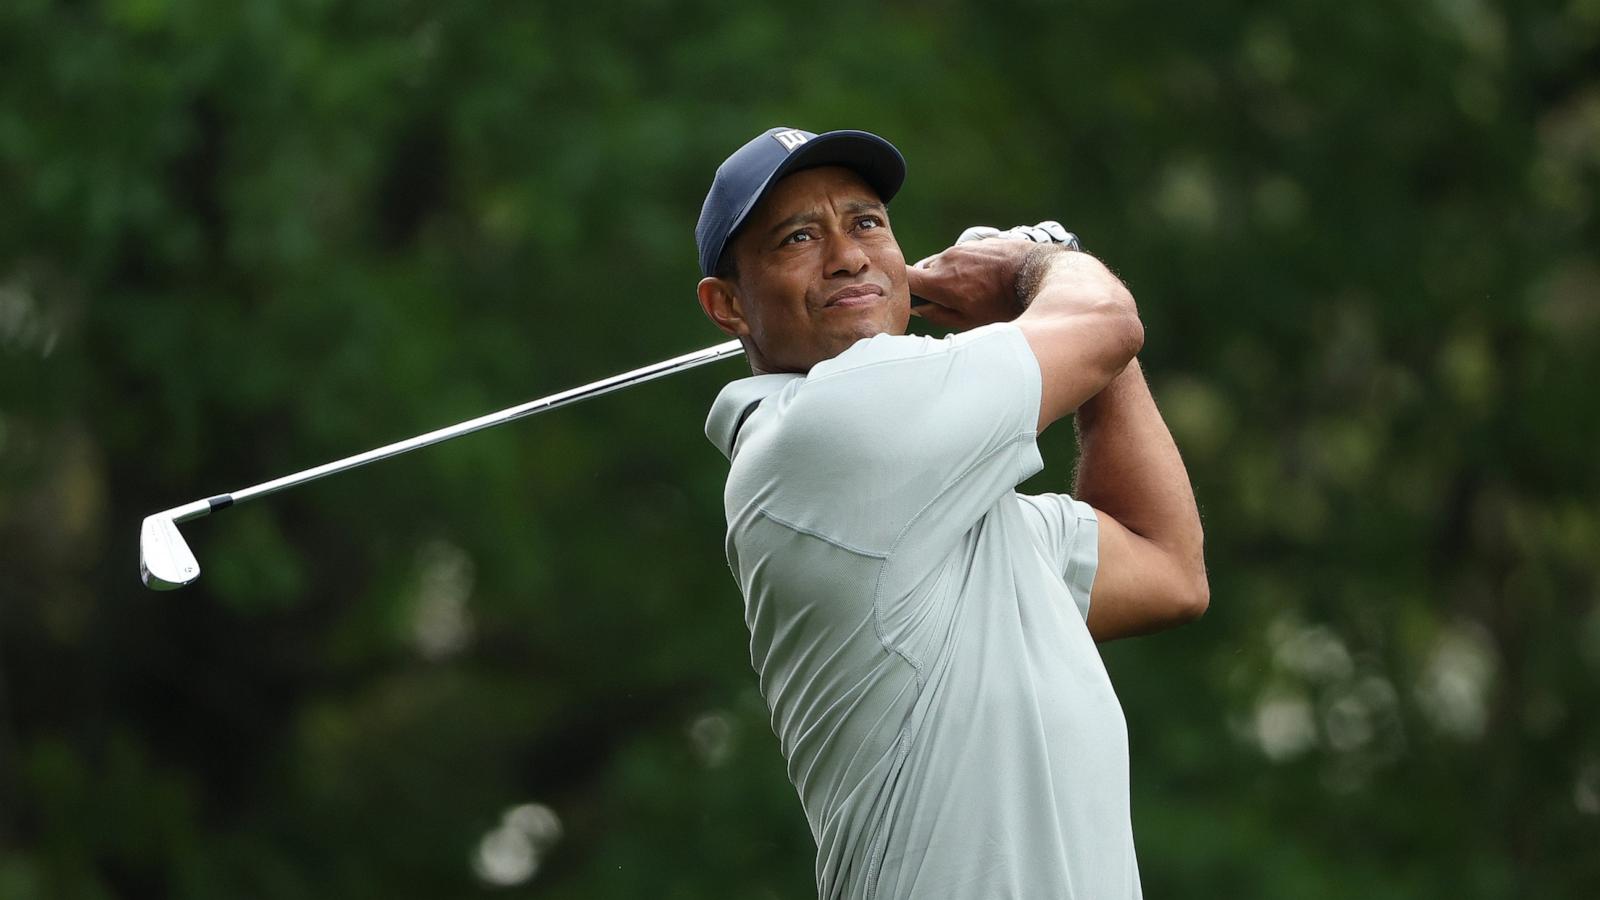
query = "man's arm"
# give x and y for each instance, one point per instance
(1152, 571)
(1083, 327)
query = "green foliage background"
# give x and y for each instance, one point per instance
(238, 239)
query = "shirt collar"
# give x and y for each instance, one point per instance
(735, 404)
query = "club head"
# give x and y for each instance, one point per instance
(165, 562)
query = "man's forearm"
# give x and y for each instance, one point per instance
(1129, 467)
(1082, 325)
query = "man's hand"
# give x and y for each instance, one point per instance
(1078, 317)
(972, 284)
(988, 276)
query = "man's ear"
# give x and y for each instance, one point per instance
(720, 301)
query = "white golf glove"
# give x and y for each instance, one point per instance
(1047, 232)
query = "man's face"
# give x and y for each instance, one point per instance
(818, 270)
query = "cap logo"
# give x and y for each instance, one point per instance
(790, 139)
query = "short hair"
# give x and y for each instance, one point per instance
(727, 266)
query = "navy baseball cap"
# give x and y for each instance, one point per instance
(746, 176)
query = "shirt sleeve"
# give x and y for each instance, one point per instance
(1067, 532)
(904, 435)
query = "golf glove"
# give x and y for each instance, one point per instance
(1046, 232)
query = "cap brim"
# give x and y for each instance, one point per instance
(873, 158)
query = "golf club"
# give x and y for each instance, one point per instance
(166, 563)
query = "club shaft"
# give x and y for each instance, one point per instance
(595, 389)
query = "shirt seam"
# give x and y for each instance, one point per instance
(882, 558)
(830, 541)
(880, 840)
(1076, 565)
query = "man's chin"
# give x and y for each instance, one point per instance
(845, 338)
(853, 336)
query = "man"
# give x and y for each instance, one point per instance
(924, 635)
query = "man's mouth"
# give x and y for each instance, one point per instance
(855, 295)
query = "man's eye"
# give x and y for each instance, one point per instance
(869, 222)
(797, 237)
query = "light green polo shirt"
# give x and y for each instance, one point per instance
(918, 626)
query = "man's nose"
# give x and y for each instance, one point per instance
(847, 258)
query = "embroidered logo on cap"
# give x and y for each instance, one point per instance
(791, 139)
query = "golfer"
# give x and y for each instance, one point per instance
(924, 634)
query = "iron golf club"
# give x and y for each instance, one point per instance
(166, 563)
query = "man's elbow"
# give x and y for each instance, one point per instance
(1193, 601)
(1191, 588)
(1128, 327)
(1188, 593)
(1116, 315)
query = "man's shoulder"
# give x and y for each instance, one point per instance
(862, 445)
(876, 399)
(774, 394)
(869, 353)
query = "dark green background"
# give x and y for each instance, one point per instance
(239, 239)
